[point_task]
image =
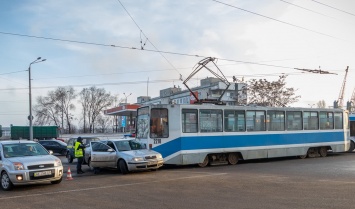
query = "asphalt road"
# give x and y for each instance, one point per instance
(281, 183)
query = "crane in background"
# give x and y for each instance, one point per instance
(352, 102)
(339, 102)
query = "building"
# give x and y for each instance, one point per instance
(210, 88)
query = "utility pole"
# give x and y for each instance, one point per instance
(30, 117)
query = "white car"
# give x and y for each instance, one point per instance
(27, 162)
(124, 154)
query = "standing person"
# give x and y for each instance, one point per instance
(79, 154)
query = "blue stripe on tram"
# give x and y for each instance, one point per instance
(215, 142)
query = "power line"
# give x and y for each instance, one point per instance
(102, 74)
(333, 8)
(102, 84)
(280, 21)
(151, 81)
(306, 9)
(147, 39)
(13, 72)
(149, 50)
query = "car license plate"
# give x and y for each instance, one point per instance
(151, 163)
(42, 173)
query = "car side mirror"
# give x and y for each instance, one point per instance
(50, 152)
(110, 150)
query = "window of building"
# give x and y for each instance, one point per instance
(234, 120)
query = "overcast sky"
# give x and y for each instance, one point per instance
(251, 38)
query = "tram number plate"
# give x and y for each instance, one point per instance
(157, 141)
(42, 173)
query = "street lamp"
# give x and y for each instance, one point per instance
(126, 96)
(311, 105)
(30, 117)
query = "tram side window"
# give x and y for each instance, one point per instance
(189, 121)
(326, 120)
(211, 121)
(294, 120)
(142, 123)
(275, 120)
(338, 120)
(255, 120)
(159, 123)
(234, 120)
(310, 120)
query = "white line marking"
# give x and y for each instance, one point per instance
(105, 187)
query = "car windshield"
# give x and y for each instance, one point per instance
(23, 149)
(127, 145)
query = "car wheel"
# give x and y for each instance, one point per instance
(123, 167)
(58, 181)
(6, 183)
(69, 158)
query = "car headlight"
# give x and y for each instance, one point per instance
(136, 159)
(18, 166)
(159, 156)
(57, 162)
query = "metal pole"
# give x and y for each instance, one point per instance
(30, 117)
(30, 98)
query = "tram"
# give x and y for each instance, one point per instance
(207, 134)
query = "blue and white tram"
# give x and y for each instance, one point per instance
(213, 134)
(352, 131)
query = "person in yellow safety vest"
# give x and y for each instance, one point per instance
(79, 154)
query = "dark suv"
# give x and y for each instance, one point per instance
(71, 143)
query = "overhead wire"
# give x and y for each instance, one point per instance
(349, 13)
(280, 21)
(147, 39)
(151, 81)
(149, 50)
(306, 9)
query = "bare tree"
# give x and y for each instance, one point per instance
(273, 94)
(45, 110)
(102, 123)
(94, 101)
(55, 107)
(321, 104)
(64, 105)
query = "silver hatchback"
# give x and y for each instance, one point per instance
(27, 162)
(124, 154)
